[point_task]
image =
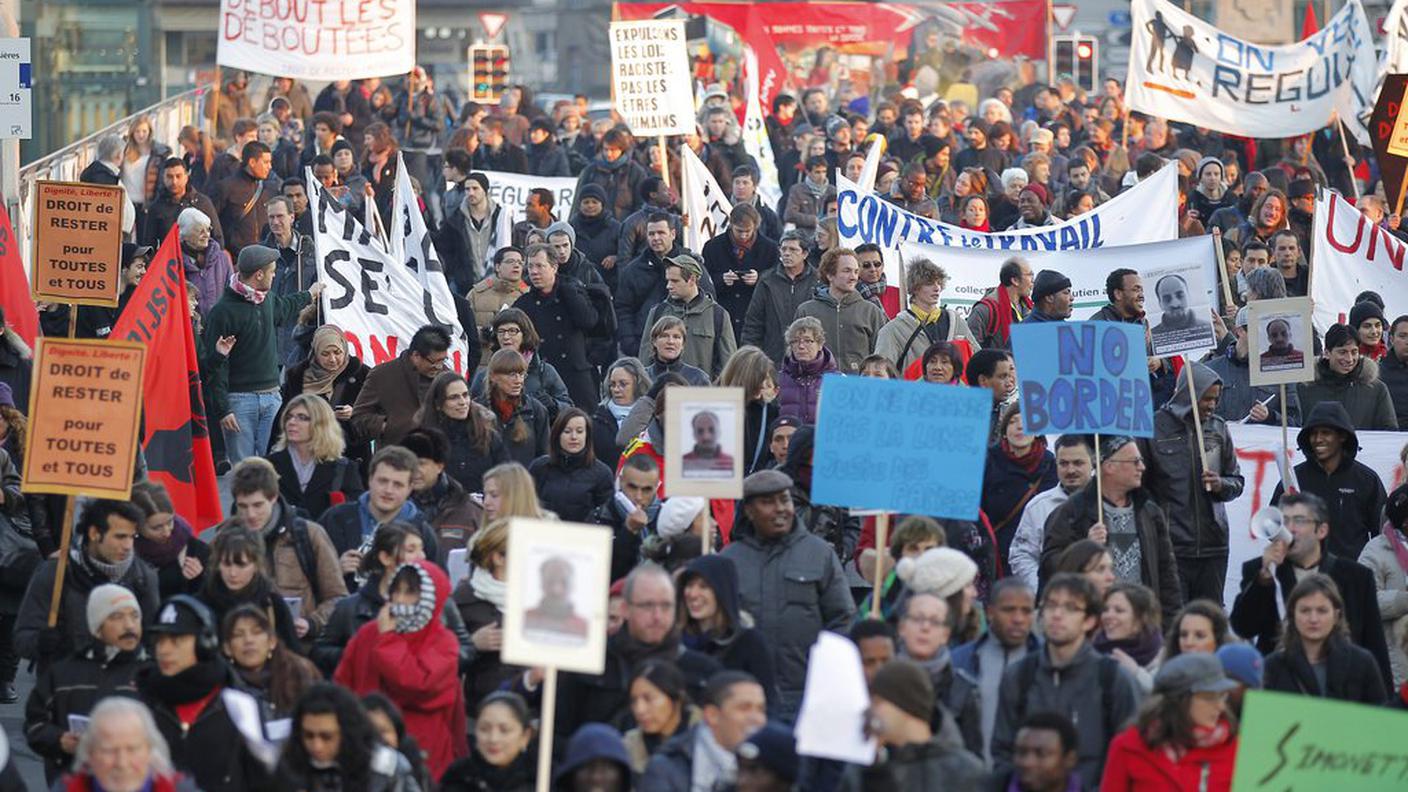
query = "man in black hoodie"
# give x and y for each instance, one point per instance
(1353, 492)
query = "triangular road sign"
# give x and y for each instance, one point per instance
(1062, 15)
(494, 22)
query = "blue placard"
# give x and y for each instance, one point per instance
(909, 447)
(1083, 377)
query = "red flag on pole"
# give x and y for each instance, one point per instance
(175, 435)
(1310, 26)
(15, 299)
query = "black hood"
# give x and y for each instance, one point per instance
(799, 453)
(1333, 415)
(722, 576)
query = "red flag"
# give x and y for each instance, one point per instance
(15, 298)
(175, 435)
(1311, 25)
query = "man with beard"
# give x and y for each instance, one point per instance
(64, 695)
(1178, 319)
(707, 458)
(1125, 289)
(176, 195)
(1280, 353)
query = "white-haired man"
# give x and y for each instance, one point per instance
(123, 751)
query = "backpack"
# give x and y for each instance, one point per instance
(600, 296)
(307, 558)
(1108, 670)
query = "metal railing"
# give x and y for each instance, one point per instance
(167, 117)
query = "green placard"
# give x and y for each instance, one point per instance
(1294, 743)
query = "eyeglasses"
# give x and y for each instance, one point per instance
(1137, 462)
(298, 416)
(508, 331)
(1300, 519)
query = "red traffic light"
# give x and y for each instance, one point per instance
(1084, 50)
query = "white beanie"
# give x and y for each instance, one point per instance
(190, 218)
(107, 599)
(677, 515)
(940, 571)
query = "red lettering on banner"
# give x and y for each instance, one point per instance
(1260, 459)
(380, 353)
(1392, 247)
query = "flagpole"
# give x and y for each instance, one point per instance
(56, 598)
(664, 160)
(1050, 44)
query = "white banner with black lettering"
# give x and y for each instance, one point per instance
(322, 41)
(1395, 60)
(410, 242)
(1147, 212)
(1184, 69)
(378, 300)
(651, 81)
(1352, 254)
(972, 272)
(755, 133)
(510, 192)
(705, 204)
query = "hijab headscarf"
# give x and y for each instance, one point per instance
(316, 379)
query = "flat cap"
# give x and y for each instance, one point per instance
(766, 482)
(254, 258)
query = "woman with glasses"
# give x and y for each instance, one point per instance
(332, 372)
(925, 632)
(806, 362)
(475, 443)
(1317, 657)
(626, 381)
(313, 473)
(1183, 737)
(522, 419)
(512, 329)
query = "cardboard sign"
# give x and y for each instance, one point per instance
(650, 76)
(555, 607)
(912, 447)
(1382, 125)
(704, 442)
(1179, 299)
(77, 243)
(1398, 140)
(1279, 340)
(85, 407)
(1290, 742)
(1083, 377)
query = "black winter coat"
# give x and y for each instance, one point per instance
(230, 198)
(487, 672)
(548, 159)
(316, 498)
(719, 258)
(572, 488)
(211, 750)
(740, 646)
(596, 239)
(535, 444)
(1007, 488)
(467, 464)
(1349, 674)
(563, 319)
(164, 209)
(79, 582)
(73, 686)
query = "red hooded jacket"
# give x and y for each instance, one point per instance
(419, 671)
(1132, 766)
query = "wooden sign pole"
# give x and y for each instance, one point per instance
(664, 160)
(882, 539)
(545, 724)
(1222, 267)
(67, 527)
(1193, 408)
(1099, 485)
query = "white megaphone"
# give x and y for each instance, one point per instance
(1269, 524)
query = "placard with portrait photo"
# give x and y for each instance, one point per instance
(1178, 304)
(1279, 341)
(555, 611)
(704, 442)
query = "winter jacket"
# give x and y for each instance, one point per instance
(422, 120)
(541, 381)
(337, 479)
(163, 211)
(254, 361)
(671, 769)
(85, 782)
(597, 238)
(473, 774)
(1349, 673)
(1197, 518)
(1092, 690)
(1024, 556)
(16, 366)
(640, 286)
(345, 390)
(486, 671)
(1158, 569)
(901, 341)
(73, 686)
(416, 670)
(1393, 373)
(357, 609)
(547, 159)
(803, 208)
(209, 275)
(795, 588)
(1254, 615)
(171, 577)
(488, 297)
(388, 771)
(852, 325)
(939, 764)
(452, 513)
(708, 340)
(695, 376)
(352, 524)
(1392, 583)
(719, 256)
(240, 201)
(631, 241)
(296, 271)
(1007, 488)
(210, 749)
(466, 463)
(1238, 394)
(604, 427)
(773, 307)
(466, 245)
(1132, 766)
(621, 181)
(535, 416)
(1365, 398)
(982, 321)
(563, 318)
(80, 578)
(740, 647)
(294, 547)
(573, 487)
(385, 408)
(1354, 493)
(799, 384)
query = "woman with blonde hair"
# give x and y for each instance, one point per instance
(475, 444)
(479, 597)
(313, 473)
(751, 369)
(509, 491)
(141, 165)
(522, 419)
(334, 373)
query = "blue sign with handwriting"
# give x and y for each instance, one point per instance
(1083, 378)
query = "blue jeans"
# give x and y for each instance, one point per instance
(255, 413)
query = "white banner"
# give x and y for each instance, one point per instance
(1183, 69)
(410, 242)
(972, 272)
(510, 192)
(1148, 212)
(651, 78)
(324, 40)
(755, 134)
(1352, 254)
(377, 300)
(1395, 60)
(1257, 447)
(705, 204)
(1261, 21)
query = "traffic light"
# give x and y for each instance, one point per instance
(489, 68)
(1079, 56)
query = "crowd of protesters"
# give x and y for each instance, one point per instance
(1074, 636)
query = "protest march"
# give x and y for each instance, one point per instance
(863, 396)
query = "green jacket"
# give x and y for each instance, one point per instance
(254, 361)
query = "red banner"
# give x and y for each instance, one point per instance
(15, 300)
(175, 436)
(802, 45)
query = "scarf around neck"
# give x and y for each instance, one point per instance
(113, 572)
(246, 291)
(159, 554)
(1031, 460)
(488, 588)
(1203, 737)
(316, 379)
(1141, 648)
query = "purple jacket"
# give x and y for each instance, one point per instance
(799, 384)
(209, 277)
